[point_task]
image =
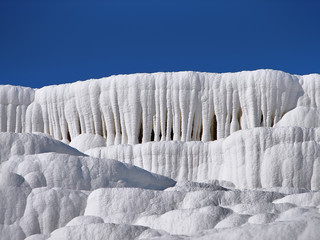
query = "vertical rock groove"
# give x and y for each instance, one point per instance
(182, 106)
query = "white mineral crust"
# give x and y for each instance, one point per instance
(184, 155)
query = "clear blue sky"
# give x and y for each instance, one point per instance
(58, 41)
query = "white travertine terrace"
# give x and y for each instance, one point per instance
(183, 106)
(252, 158)
(85, 160)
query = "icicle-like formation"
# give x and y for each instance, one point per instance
(138, 108)
(253, 158)
(181, 106)
(14, 101)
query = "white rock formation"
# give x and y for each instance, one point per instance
(252, 158)
(86, 141)
(13, 144)
(161, 106)
(243, 148)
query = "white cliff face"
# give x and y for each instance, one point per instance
(14, 102)
(161, 106)
(183, 155)
(252, 158)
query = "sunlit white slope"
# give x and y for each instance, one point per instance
(46, 162)
(12, 144)
(44, 183)
(204, 213)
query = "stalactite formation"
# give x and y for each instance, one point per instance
(138, 108)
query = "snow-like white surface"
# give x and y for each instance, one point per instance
(12, 144)
(81, 173)
(161, 106)
(86, 141)
(14, 102)
(44, 183)
(71, 166)
(41, 168)
(252, 158)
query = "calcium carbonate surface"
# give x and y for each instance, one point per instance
(184, 155)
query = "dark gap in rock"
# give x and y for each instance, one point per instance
(68, 136)
(67, 132)
(192, 126)
(152, 135)
(140, 133)
(272, 121)
(171, 134)
(79, 126)
(215, 128)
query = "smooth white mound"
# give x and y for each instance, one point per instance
(13, 198)
(14, 192)
(99, 231)
(86, 141)
(176, 212)
(12, 144)
(49, 209)
(82, 173)
(206, 213)
(44, 183)
(310, 199)
(83, 220)
(296, 227)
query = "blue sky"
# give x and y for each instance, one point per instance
(53, 42)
